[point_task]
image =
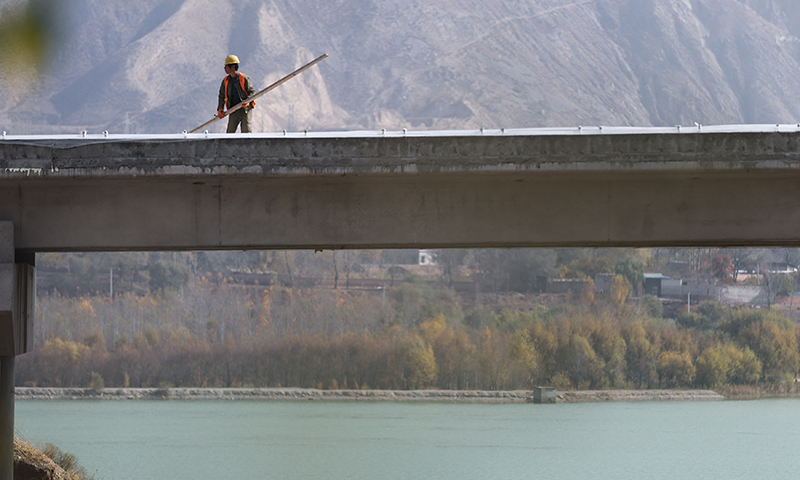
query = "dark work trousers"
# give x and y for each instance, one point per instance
(240, 117)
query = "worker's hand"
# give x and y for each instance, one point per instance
(220, 113)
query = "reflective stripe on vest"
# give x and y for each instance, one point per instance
(241, 82)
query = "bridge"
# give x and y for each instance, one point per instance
(570, 187)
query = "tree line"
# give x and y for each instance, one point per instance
(488, 270)
(208, 332)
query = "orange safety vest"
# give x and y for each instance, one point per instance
(241, 81)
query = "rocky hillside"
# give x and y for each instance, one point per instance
(154, 66)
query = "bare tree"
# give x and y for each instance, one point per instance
(449, 261)
(740, 259)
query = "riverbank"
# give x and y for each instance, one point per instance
(312, 394)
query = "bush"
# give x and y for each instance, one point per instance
(696, 321)
(713, 311)
(652, 306)
(96, 382)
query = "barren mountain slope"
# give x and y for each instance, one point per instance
(155, 66)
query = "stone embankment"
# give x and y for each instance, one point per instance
(460, 396)
(636, 395)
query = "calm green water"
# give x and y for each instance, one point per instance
(120, 440)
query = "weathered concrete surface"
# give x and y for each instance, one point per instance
(17, 296)
(636, 395)
(373, 191)
(306, 394)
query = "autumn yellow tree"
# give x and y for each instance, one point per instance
(61, 363)
(620, 291)
(523, 359)
(745, 368)
(675, 369)
(775, 346)
(607, 341)
(640, 355)
(454, 352)
(584, 366)
(412, 364)
(713, 366)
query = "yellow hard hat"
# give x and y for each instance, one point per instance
(231, 59)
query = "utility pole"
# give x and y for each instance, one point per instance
(689, 303)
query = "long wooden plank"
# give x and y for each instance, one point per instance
(262, 92)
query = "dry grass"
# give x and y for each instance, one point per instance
(744, 392)
(50, 463)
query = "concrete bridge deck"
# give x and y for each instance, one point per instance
(582, 186)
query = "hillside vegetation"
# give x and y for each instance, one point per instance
(207, 330)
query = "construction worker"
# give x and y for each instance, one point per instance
(235, 88)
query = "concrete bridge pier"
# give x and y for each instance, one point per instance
(17, 296)
(6, 418)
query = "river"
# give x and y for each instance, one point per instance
(199, 439)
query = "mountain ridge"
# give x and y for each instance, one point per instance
(155, 66)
